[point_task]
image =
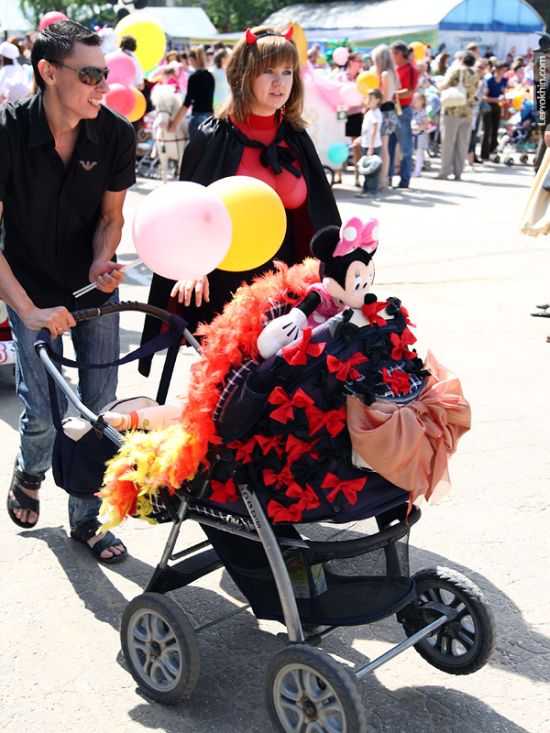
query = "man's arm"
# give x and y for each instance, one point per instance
(103, 270)
(56, 319)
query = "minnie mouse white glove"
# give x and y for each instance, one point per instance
(280, 332)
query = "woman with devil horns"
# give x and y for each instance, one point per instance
(261, 133)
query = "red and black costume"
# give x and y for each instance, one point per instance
(274, 152)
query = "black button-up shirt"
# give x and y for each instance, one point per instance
(51, 210)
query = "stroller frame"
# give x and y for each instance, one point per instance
(307, 691)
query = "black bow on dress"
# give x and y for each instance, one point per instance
(273, 156)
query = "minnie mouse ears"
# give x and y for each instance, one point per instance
(353, 235)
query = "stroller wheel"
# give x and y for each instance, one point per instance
(160, 647)
(306, 690)
(524, 159)
(464, 645)
(509, 161)
(496, 159)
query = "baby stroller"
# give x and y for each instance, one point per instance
(312, 576)
(519, 136)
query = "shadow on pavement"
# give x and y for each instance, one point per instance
(240, 650)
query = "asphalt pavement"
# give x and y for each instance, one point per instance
(453, 253)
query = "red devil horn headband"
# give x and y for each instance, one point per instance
(253, 37)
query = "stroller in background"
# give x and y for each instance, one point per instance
(313, 577)
(518, 136)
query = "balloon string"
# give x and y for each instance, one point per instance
(93, 286)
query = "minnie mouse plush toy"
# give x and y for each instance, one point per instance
(346, 272)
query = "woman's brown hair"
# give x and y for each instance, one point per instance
(197, 57)
(248, 60)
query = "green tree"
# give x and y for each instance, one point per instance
(79, 10)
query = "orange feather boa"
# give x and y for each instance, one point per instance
(169, 457)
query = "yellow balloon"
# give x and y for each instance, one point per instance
(258, 218)
(367, 80)
(299, 38)
(140, 106)
(419, 50)
(517, 101)
(150, 38)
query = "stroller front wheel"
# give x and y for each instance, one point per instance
(160, 647)
(464, 645)
(306, 690)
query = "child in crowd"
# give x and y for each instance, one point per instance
(371, 140)
(420, 125)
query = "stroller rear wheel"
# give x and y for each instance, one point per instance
(306, 691)
(160, 647)
(464, 645)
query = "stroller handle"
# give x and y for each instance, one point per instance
(86, 314)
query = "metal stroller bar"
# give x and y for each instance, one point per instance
(277, 564)
(448, 614)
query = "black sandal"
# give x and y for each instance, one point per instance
(82, 534)
(17, 499)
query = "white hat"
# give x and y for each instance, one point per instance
(9, 50)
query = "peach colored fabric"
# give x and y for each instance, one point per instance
(410, 445)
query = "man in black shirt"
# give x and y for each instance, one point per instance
(66, 162)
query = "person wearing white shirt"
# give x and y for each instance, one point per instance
(371, 139)
(128, 45)
(14, 81)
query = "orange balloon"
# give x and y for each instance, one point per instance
(140, 106)
(367, 80)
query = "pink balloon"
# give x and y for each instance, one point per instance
(120, 98)
(182, 231)
(340, 55)
(52, 17)
(350, 95)
(121, 68)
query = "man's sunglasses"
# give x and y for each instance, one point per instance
(89, 75)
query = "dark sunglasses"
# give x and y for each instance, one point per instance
(89, 75)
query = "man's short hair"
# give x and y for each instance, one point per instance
(57, 41)
(400, 47)
(468, 59)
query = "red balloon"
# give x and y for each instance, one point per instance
(52, 17)
(120, 98)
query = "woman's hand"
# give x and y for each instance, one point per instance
(184, 289)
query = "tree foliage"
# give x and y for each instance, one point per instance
(79, 10)
(236, 15)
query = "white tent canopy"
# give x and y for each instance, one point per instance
(499, 23)
(184, 23)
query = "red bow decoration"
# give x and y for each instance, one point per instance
(333, 420)
(344, 370)
(405, 313)
(278, 480)
(267, 443)
(296, 353)
(285, 412)
(224, 492)
(296, 448)
(280, 513)
(350, 489)
(243, 451)
(399, 381)
(371, 310)
(307, 496)
(400, 344)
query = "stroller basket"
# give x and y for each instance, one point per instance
(343, 574)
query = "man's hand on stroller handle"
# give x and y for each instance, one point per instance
(57, 320)
(183, 290)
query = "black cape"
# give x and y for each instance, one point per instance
(214, 153)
